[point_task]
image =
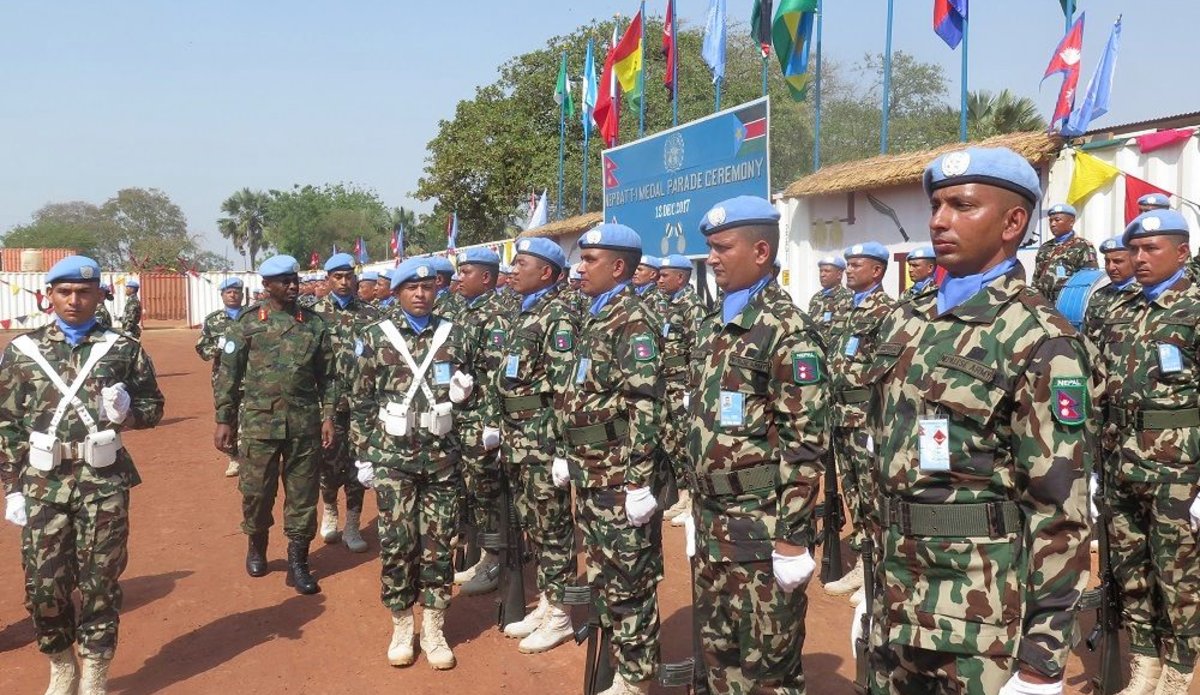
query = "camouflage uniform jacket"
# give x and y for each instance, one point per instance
(103, 317)
(682, 314)
(483, 329)
(212, 338)
(447, 304)
(1151, 351)
(824, 309)
(614, 385)
(769, 358)
(382, 376)
(307, 301)
(1057, 261)
(1102, 301)
(279, 368)
(131, 317)
(854, 338)
(914, 291)
(1011, 382)
(345, 327)
(28, 402)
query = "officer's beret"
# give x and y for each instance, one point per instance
(230, 284)
(993, 166)
(871, 249)
(543, 248)
(420, 268)
(1062, 209)
(1111, 244)
(1155, 200)
(742, 211)
(134, 284)
(104, 287)
(505, 269)
(369, 276)
(651, 262)
(479, 256)
(575, 274)
(677, 261)
(922, 253)
(440, 264)
(339, 261)
(74, 269)
(1154, 223)
(835, 261)
(611, 236)
(278, 265)
(386, 273)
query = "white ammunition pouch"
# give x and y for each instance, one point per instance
(99, 448)
(397, 418)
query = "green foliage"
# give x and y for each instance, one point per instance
(314, 218)
(75, 225)
(245, 222)
(995, 114)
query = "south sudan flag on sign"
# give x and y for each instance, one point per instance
(751, 136)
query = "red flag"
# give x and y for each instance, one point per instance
(1164, 138)
(314, 260)
(1136, 188)
(668, 45)
(608, 102)
(1066, 60)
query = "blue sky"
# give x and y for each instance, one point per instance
(201, 98)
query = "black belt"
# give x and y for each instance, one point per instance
(1140, 419)
(746, 480)
(599, 433)
(993, 519)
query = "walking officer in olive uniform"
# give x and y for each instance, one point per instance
(211, 343)
(1151, 350)
(681, 311)
(1063, 256)
(407, 384)
(67, 391)
(1121, 285)
(757, 437)
(855, 337)
(607, 451)
(346, 317)
(833, 299)
(984, 425)
(275, 398)
(922, 264)
(131, 317)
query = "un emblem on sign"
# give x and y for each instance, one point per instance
(673, 152)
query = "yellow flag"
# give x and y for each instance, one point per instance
(16, 289)
(1089, 175)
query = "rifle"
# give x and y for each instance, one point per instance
(466, 551)
(862, 645)
(510, 603)
(1105, 636)
(598, 670)
(690, 671)
(833, 517)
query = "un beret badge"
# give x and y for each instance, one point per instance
(523, 246)
(716, 216)
(1150, 224)
(955, 163)
(423, 271)
(593, 237)
(86, 272)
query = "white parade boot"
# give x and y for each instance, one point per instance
(525, 627)
(433, 642)
(851, 582)
(620, 686)
(232, 469)
(1144, 673)
(94, 680)
(1173, 681)
(555, 629)
(64, 673)
(329, 523)
(400, 649)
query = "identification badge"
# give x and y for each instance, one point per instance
(933, 438)
(1170, 361)
(851, 346)
(827, 317)
(733, 409)
(1060, 272)
(441, 373)
(666, 329)
(581, 371)
(511, 366)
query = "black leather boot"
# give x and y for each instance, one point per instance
(298, 575)
(256, 555)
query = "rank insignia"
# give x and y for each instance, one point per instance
(806, 368)
(497, 337)
(563, 340)
(644, 347)
(1070, 399)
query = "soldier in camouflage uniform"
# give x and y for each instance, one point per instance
(211, 343)
(1121, 284)
(131, 317)
(275, 397)
(984, 423)
(854, 337)
(538, 355)
(73, 504)
(1151, 350)
(510, 299)
(366, 287)
(409, 372)
(347, 318)
(607, 451)
(573, 295)
(833, 299)
(447, 303)
(383, 290)
(757, 439)
(103, 317)
(483, 329)
(1063, 256)
(922, 264)
(681, 311)
(307, 298)
(645, 280)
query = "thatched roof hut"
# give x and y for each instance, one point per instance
(571, 226)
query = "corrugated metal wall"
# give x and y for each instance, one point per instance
(10, 259)
(204, 297)
(164, 297)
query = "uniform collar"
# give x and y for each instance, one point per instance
(977, 298)
(529, 300)
(860, 296)
(1065, 238)
(733, 306)
(342, 303)
(605, 298)
(478, 301)
(1155, 293)
(63, 331)
(1124, 284)
(232, 312)
(417, 323)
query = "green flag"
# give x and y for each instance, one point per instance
(760, 25)
(562, 90)
(791, 33)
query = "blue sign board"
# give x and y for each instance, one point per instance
(663, 185)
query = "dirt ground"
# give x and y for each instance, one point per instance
(193, 622)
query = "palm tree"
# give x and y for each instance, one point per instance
(995, 114)
(246, 219)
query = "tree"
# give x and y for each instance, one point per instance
(74, 225)
(996, 114)
(148, 231)
(308, 219)
(245, 221)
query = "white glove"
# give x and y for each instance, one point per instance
(856, 627)
(115, 402)
(1195, 512)
(366, 473)
(1016, 686)
(560, 473)
(461, 386)
(491, 438)
(1093, 487)
(792, 571)
(689, 531)
(14, 508)
(640, 505)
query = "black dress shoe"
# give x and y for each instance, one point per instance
(256, 555)
(298, 575)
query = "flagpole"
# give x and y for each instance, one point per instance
(1070, 14)
(674, 70)
(962, 115)
(586, 137)
(717, 106)
(642, 73)
(817, 86)
(887, 80)
(562, 143)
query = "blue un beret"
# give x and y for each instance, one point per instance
(835, 261)
(742, 211)
(1154, 223)
(575, 273)
(339, 261)
(922, 253)
(543, 248)
(871, 249)
(134, 284)
(386, 273)
(369, 276)
(651, 262)
(1111, 244)
(1062, 209)
(1155, 200)
(421, 268)
(479, 256)
(611, 236)
(677, 261)
(278, 265)
(993, 166)
(230, 283)
(440, 264)
(74, 269)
